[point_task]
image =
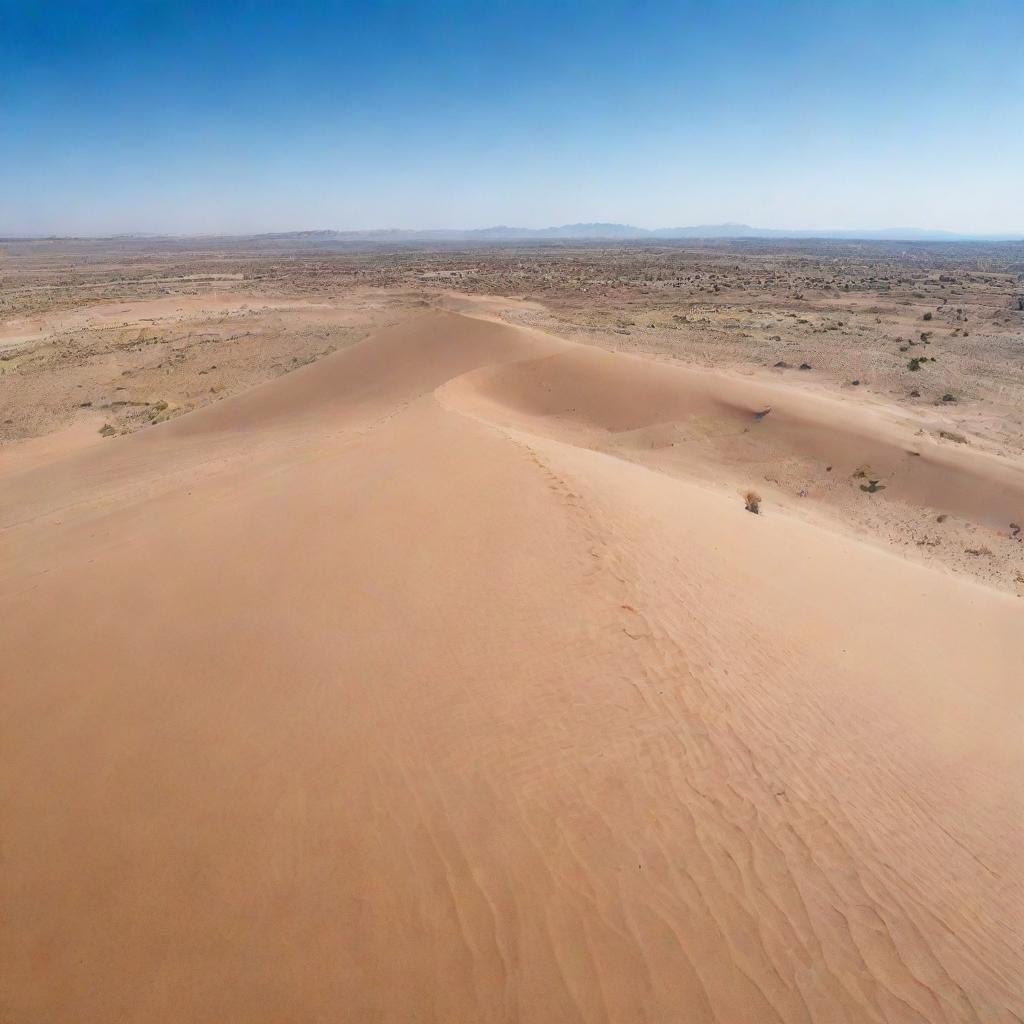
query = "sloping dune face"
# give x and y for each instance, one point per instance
(380, 694)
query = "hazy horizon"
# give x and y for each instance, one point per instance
(186, 119)
(658, 232)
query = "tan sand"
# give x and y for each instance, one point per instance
(21, 330)
(413, 686)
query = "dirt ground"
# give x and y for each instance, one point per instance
(458, 652)
(100, 338)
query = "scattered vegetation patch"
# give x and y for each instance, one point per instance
(752, 502)
(162, 410)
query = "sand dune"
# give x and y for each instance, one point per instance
(447, 679)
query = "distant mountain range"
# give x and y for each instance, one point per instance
(613, 232)
(567, 232)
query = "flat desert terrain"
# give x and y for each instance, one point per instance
(389, 636)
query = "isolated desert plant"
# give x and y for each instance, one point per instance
(752, 502)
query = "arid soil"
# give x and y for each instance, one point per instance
(114, 336)
(409, 649)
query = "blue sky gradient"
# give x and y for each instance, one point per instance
(232, 117)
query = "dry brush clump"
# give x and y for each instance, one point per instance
(752, 502)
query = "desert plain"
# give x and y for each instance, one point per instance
(567, 632)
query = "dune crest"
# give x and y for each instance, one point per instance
(436, 681)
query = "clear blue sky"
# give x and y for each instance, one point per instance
(193, 117)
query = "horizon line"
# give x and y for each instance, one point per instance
(723, 230)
